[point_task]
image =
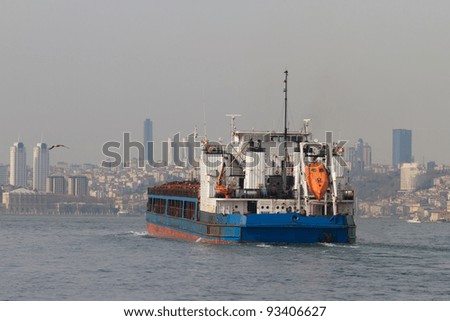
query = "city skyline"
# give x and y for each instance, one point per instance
(83, 78)
(359, 151)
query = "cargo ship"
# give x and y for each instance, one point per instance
(275, 187)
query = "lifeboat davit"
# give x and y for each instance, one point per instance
(317, 179)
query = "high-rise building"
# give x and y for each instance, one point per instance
(183, 151)
(359, 157)
(409, 173)
(18, 165)
(170, 152)
(401, 146)
(148, 137)
(4, 175)
(78, 185)
(367, 155)
(41, 167)
(351, 156)
(359, 147)
(56, 184)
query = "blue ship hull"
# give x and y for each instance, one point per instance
(250, 228)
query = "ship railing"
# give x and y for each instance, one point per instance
(174, 192)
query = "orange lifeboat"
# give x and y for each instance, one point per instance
(317, 179)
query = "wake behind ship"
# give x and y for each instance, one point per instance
(264, 187)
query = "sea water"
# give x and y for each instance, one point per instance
(112, 258)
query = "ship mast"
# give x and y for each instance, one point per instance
(232, 124)
(283, 168)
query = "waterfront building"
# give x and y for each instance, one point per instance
(401, 147)
(440, 216)
(24, 201)
(18, 165)
(41, 167)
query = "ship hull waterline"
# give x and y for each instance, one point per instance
(289, 228)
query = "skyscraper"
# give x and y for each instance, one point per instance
(401, 146)
(351, 156)
(41, 167)
(359, 147)
(148, 137)
(170, 152)
(359, 157)
(18, 165)
(367, 155)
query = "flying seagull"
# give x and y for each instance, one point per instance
(58, 145)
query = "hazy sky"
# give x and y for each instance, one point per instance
(81, 72)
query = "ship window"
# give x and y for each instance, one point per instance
(235, 206)
(189, 210)
(278, 207)
(348, 195)
(267, 206)
(282, 207)
(159, 206)
(149, 204)
(175, 208)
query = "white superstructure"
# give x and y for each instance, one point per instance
(265, 172)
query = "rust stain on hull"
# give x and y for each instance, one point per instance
(164, 232)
